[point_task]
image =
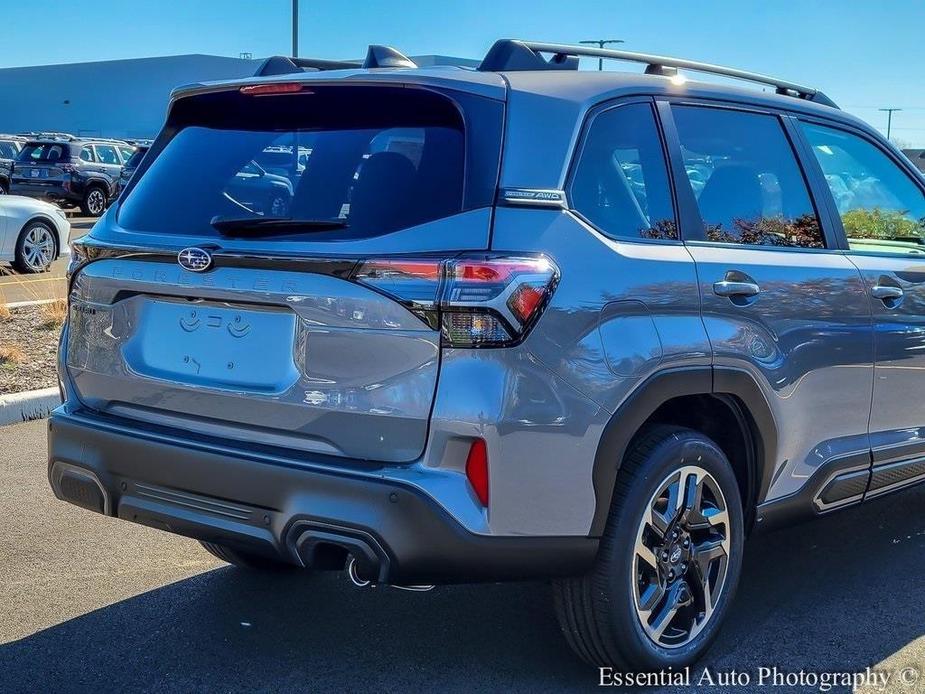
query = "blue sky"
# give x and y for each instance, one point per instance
(865, 55)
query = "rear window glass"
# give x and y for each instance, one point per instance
(45, 151)
(135, 159)
(621, 181)
(371, 160)
(8, 150)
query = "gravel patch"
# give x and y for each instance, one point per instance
(37, 350)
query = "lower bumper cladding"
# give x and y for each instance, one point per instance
(315, 518)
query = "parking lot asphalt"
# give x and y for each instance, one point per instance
(95, 604)
(15, 287)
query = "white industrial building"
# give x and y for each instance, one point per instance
(115, 98)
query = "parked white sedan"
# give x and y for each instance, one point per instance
(33, 233)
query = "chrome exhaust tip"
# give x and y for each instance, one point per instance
(354, 576)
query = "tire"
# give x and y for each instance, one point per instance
(245, 560)
(94, 201)
(4, 188)
(36, 248)
(600, 613)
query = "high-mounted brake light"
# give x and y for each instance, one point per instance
(274, 88)
(484, 301)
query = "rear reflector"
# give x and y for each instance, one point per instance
(477, 470)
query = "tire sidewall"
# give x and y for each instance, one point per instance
(679, 448)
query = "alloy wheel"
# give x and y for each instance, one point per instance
(681, 556)
(38, 248)
(96, 201)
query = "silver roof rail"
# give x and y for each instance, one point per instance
(512, 55)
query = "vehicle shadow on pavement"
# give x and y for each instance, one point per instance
(839, 594)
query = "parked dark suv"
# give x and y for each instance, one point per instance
(516, 322)
(10, 146)
(131, 164)
(71, 172)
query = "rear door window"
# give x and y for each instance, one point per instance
(621, 184)
(746, 179)
(106, 154)
(372, 160)
(86, 154)
(882, 209)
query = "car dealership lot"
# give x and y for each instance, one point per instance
(92, 603)
(15, 287)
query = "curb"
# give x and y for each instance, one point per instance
(32, 404)
(25, 304)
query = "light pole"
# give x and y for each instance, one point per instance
(295, 28)
(600, 43)
(889, 119)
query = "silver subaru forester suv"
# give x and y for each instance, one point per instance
(514, 322)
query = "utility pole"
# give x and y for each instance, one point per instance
(295, 28)
(889, 119)
(600, 43)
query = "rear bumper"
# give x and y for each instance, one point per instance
(57, 192)
(294, 512)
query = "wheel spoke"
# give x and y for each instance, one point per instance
(705, 553)
(710, 517)
(693, 494)
(645, 553)
(660, 520)
(650, 597)
(665, 614)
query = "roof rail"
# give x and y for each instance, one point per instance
(507, 55)
(376, 57)
(281, 65)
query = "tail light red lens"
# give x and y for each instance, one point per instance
(477, 470)
(274, 88)
(477, 302)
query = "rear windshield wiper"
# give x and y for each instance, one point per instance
(246, 227)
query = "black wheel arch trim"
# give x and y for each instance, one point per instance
(745, 398)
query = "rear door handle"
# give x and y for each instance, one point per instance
(733, 288)
(885, 292)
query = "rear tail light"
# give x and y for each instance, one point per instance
(476, 302)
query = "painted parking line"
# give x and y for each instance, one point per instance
(14, 282)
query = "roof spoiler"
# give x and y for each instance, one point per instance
(509, 55)
(376, 57)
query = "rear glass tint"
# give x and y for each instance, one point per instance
(373, 159)
(45, 152)
(8, 150)
(135, 159)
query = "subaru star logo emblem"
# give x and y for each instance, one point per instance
(675, 555)
(194, 259)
